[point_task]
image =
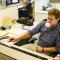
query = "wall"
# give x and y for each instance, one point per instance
(11, 11)
(40, 15)
(56, 5)
(40, 3)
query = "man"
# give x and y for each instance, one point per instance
(57, 57)
(49, 40)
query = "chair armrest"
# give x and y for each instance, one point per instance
(31, 40)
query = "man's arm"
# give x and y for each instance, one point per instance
(50, 49)
(46, 49)
(28, 34)
(24, 35)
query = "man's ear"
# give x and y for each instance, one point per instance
(58, 19)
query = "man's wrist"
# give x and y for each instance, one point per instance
(42, 50)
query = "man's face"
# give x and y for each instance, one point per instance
(52, 20)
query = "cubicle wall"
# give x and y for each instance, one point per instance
(11, 11)
(40, 15)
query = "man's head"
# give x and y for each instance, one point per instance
(53, 17)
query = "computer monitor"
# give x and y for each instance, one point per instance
(9, 2)
(15, 1)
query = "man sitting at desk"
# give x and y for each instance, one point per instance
(49, 40)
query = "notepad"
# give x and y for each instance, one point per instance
(5, 42)
(3, 33)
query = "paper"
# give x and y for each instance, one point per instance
(5, 41)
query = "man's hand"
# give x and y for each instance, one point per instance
(14, 39)
(17, 38)
(39, 49)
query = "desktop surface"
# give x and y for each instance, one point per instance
(5, 57)
(16, 52)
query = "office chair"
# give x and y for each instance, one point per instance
(26, 41)
(25, 11)
(26, 15)
(59, 21)
(26, 21)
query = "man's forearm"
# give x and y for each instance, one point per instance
(46, 49)
(24, 35)
(49, 49)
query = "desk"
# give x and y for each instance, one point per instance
(16, 54)
(19, 55)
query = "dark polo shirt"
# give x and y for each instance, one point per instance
(49, 37)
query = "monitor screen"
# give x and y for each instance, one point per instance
(9, 2)
(15, 1)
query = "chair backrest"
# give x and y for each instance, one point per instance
(29, 9)
(59, 22)
(26, 11)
